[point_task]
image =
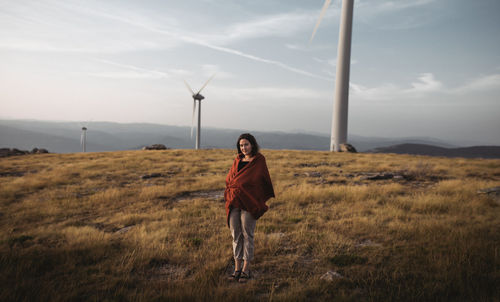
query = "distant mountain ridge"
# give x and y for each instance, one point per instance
(64, 137)
(423, 149)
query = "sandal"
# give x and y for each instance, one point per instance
(235, 276)
(244, 277)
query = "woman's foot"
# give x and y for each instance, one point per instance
(235, 276)
(244, 277)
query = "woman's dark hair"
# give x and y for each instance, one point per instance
(251, 139)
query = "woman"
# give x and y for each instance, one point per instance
(248, 187)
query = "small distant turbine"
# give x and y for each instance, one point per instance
(341, 102)
(83, 139)
(197, 97)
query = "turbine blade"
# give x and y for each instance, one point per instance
(189, 87)
(204, 85)
(321, 15)
(192, 120)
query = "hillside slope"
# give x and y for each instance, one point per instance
(151, 226)
(423, 149)
(64, 137)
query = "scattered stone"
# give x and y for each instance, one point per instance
(39, 151)
(331, 276)
(378, 176)
(347, 148)
(493, 191)
(155, 147)
(124, 230)
(275, 235)
(367, 242)
(315, 165)
(5, 152)
(152, 175)
(312, 174)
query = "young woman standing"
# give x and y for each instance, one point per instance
(248, 187)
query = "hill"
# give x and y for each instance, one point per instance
(151, 226)
(64, 137)
(422, 149)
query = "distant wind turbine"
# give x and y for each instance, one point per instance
(341, 102)
(83, 139)
(197, 97)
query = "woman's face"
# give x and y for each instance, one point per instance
(245, 146)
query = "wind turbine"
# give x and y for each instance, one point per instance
(83, 139)
(197, 97)
(341, 101)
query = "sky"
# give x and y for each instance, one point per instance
(419, 68)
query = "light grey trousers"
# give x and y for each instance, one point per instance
(242, 225)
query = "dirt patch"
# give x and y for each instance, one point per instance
(163, 269)
(215, 195)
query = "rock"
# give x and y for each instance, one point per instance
(39, 151)
(315, 165)
(275, 236)
(155, 147)
(378, 176)
(4, 152)
(347, 148)
(124, 230)
(331, 276)
(312, 174)
(367, 242)
(494, 191)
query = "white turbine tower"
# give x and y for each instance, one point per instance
(341, 102)
(197, 97)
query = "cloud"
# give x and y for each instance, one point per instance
(128, 72)
(285, 24)
(272, 93)
(425, 85)
(196, 39)
(389, 6)
(483, 83)
(394, 15)
(209, 70)
(51, 26)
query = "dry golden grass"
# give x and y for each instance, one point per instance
(87, 227)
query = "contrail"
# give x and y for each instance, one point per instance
(194, 41)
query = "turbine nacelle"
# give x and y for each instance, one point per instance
(198, 97)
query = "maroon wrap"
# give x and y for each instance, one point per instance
(249, 188)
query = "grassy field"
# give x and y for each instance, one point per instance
(90, 227)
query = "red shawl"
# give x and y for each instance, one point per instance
(249, 188)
